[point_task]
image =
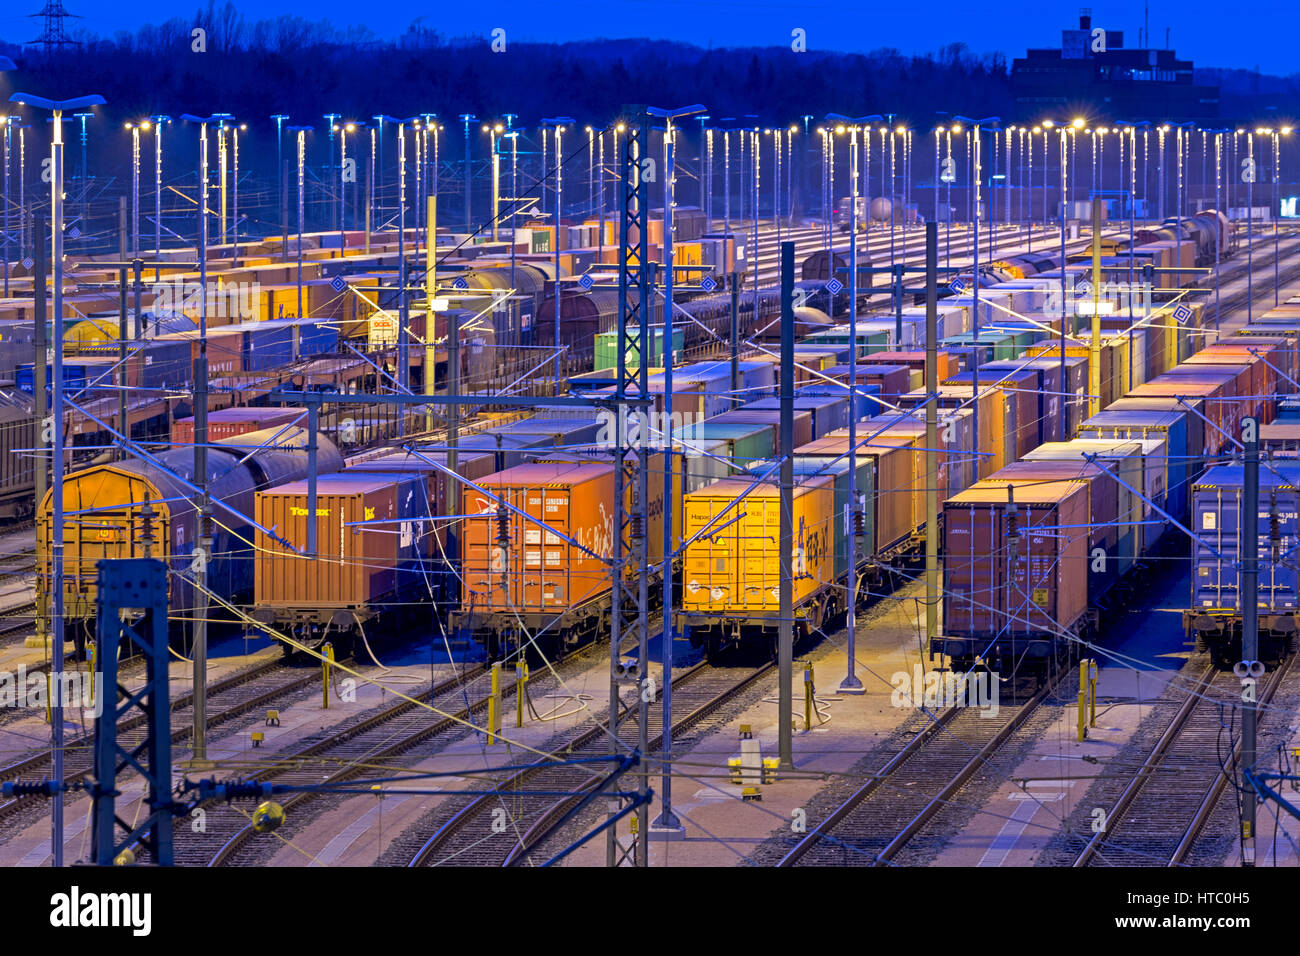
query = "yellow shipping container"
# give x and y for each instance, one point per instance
(738, 569)
(91, 336)
(1110, 362)
(689, 254)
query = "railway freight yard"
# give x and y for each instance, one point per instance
(653, 487)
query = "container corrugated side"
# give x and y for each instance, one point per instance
(1032, 584)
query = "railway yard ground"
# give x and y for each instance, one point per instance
(1012, 812)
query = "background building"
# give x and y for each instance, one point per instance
(1093, 72)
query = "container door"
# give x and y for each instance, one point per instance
(710, 572)
(759, 537)
(973, 591)
(1214, 521)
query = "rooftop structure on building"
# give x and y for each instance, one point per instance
(1093, 73)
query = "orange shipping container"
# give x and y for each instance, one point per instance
(994, 440)
(894, 480)
(542, 571)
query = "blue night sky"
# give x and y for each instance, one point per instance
(1211, 33)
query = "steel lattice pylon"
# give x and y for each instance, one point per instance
(630, 610)
(55, 36)
(137, 586)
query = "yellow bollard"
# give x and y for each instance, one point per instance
(1083, 698)
(94, 654)
(327, 651)
(521, 682)
(494, 705)
(807, 696)
(1092, 693)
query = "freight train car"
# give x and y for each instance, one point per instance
(1018, 597)
(730, 577)
(1210, 233)
(136, 507)
(373, 557)
(1214, 621)
(732, 570)
(17, 465)
(1015, 574)
(85, 440)
(537, 574)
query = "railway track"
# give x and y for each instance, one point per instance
(233, 696)
(909, 248)
(18, 565)
(1164, 804)
(336, 758)
(17, 622)
(469, 837)
(913, 784)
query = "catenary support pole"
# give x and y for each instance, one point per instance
(851, 683)
(123, 422)
(1249, 524)
(785, 643)
(667, 822)
(56, 537)
(42, 411)
(931, 433)
(1094, 345)
(202, 547)
(430, 297)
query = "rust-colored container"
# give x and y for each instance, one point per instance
(1261, 359)
(1217, 405)
(357, 565)
(1016, 573)
(947, 363)
(539, 571)
(1284, 354)
(1235, 399)
(233, 422)
(893, 380)
(1103, 507)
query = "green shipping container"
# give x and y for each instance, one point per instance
(867, 341)
(607, 351)
(993, 345)
(746, 443)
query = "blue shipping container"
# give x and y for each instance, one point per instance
(1216, 510)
